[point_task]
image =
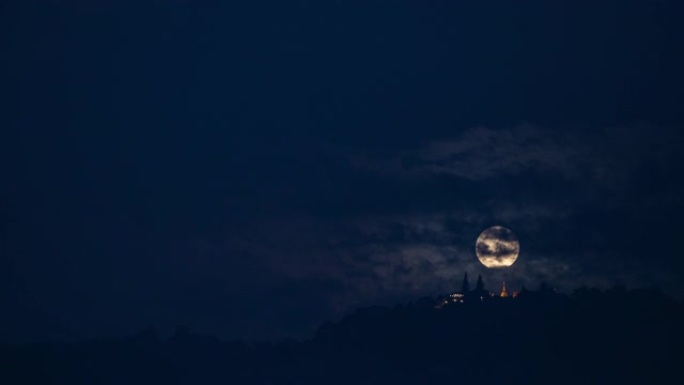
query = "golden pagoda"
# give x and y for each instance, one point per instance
(504, 293)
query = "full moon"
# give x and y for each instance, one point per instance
(497, 247)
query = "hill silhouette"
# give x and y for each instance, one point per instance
(540, 337)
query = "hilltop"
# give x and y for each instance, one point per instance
(616, 336)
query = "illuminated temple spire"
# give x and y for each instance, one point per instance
(504, 293)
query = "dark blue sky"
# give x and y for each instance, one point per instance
(252, 170)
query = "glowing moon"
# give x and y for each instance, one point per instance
(497, 247)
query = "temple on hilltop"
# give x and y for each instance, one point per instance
(478, 294)
(504, 293)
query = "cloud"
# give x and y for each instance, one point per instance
(481, 153)
(477, 153)
(580, 200)
(576, 202)
(607, 156)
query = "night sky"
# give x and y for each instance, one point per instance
(254, 170)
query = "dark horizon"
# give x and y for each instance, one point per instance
(538, 337)
(425, 301)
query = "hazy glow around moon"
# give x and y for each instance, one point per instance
(497, 247)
